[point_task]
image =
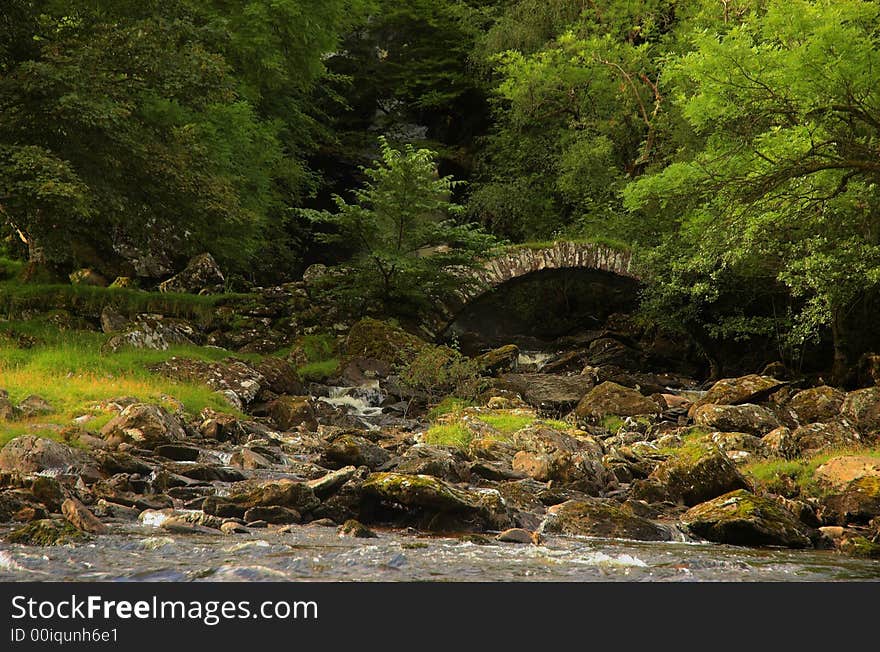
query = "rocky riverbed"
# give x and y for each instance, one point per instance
(565, 466)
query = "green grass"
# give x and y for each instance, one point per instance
(506, 422)
(16, 298)
(318, 371)
(449, 434)
(770, 474)
(449, 405)
(68, 370)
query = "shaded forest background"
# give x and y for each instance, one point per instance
(732, 145)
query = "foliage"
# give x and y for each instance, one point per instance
(437, 371)
(409, 252)
(781, 186)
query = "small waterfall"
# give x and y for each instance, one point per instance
(363, 400)
(534, 359)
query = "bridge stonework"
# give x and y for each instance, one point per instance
(520, 261)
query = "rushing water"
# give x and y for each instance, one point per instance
(143, 553)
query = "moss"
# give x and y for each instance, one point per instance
(611, 423)
(318, 371)
(47, 532)
(449, 405)
(776, 475)
(448, 434)
(860, 547)
(508, 423)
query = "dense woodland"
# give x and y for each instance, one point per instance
(732, 145)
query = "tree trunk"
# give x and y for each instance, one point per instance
(841, 369)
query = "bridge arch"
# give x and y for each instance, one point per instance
(522, 260)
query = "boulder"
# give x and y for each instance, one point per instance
(500, 360)
(329, 483)
(545, 454)
(34, 406)
(423, 459)
(233, 378)
(744, 519)
(691, 477)
(862, 409)
(611, 399)
(752, 419)
(7, 409)
(851, 486)
(152, 332)
(30, 454)
(143, 425)
(283, 493)
(427, 493)
(201, 275)
(816, 404)
(356, 530)
(274, 514)
(735, 391)
(780, 442)
(279, 377)
(81, 518)
(601, 518)
(816, 437)
(20, 505)
(546, 392)
(370, 338)
(351, 450)
(47, 532)
(289, 412)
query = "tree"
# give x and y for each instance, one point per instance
(409, 251)
(778, 180)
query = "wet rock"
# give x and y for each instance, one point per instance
(744, 519)
(862, 409)
(498, 361)
(81, 518)
(780, 442)
(859, 546)
(818, 404)
(816, 437)
(178, 452)
(422, 459)
(611, 399)
(429, 493)
(144, 425)
(323, 522)
(284, 493)
(546, 392)
(231, 527)
(20, 505)
(752, 419)
(247, 458)
(350, 450)
(107, 509)
(601, 518)
(182, 526)
(518, 535)
(691, 477)
(290, 412)
(273, 514)
(360, 371)
(609, 351)
(47, 532)
(233, 378)
(201, 275)
(735, 391)
(29, 454)
(356, 530)
(328, 484)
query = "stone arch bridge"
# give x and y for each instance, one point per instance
(518, 261)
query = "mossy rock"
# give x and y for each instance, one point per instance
(735, 391)
(862, 408)
(751, 419)
(602, 518)
(500, 360)
(816, 404)
(692, 476)
(742, 518)
(860, 547)
(47, 532)
(613, 399)
(371, 338)
(297, 496)
(859, 502)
